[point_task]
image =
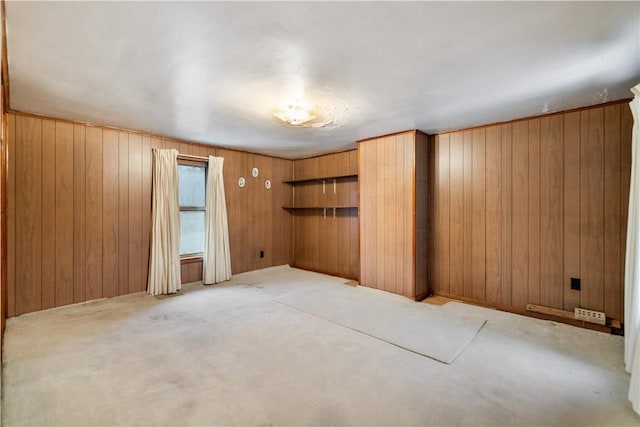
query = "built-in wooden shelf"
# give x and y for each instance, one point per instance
(320, 207)
(322, 178)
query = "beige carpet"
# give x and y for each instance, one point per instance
(423, 329)
(230, 355)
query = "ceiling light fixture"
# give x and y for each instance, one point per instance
(295, 113)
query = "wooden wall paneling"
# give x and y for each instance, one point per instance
(169, 144)
(110, 213)
(306, 168)
(328, 251)
(94, 224)
(194, 273)
(396, 205)
(64, 214)
(467, 218)
(493, 214)
(626, 127)
(571, 204)
(443, 213)
(367, 158)
(507, 200)
(262, 211)
(432, 209)
(520, 212)
(353, 162)
(613, 282)
(456, 249)
(28, 199)
(551, 211)
(307, 194)
(184, 273)
(592, 208)
(354, 254)
(408, 217)
(388, 176)
(123, 213)
(478, 238)
(235, 166)
(79, 213)
(534, 212)
(49, 219)
(307, 227)
(11, 215)
(421, 286)
(380, 249)
(343, 243)
(135, 223)
(282, 223)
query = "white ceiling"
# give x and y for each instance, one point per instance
(213, 72)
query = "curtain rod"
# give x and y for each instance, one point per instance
(191, 157)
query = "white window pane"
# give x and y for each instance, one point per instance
(191, 232)
(191, 185)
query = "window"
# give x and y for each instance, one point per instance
(191, 197)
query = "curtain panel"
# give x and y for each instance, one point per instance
(164, 262)
(632, 264)
(216, 265)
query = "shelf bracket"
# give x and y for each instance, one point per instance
(324, 212)
(334, 213)
(323, 182)
(334, 186)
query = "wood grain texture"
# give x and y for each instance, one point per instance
(135, 231)
(533, 286)
(613, 281)
(555, 196)
(478, 236)
(551, 211)
(80, 200)
(520, 219)
(381, 181)
(110, 214)
(94, 200)
(322, 242)
(493, 214)
(28, 176)
(507, 205)
(64, 214)
(456, 211)
(49, 206)
(123, 213)
(442, 249)
(421, 221)
(467, 213)
(11, 215)
(79, 213)
(571, 214)
(592, 208)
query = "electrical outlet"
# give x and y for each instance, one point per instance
(261, 254)
(591, 316)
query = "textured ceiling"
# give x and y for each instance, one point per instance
(214, 72)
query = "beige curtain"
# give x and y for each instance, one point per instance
(216, 266)
(164, 263)
(632, 263)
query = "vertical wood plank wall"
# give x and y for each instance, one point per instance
(393, 175)
(79, 207)
(520, 208)
(326, 244)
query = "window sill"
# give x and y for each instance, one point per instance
(188, 259)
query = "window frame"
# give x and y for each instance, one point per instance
(204, 163)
